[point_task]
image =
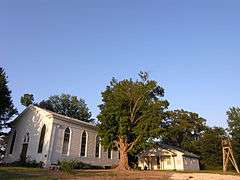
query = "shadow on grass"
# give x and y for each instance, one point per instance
(115, 175)
(88, 173)
(25, 173)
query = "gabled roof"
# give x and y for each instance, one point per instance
(156, 151)
(66, 118)
(157, 148)
(185, 153)
(22, 114)
(55, 115)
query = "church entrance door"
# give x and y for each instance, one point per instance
(23, 155)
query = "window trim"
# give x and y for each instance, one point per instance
(26, 138)
(69, 141)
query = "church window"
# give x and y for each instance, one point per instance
(98, 149)
(41, 140)
(84, 144)
(66, 140)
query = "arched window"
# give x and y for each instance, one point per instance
(109, 153)
(98, 149)
(26, 138)
(41, 140)
(66, 141)
(84, 144)
(13, 141)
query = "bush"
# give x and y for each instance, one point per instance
(69, 165)
(33, 164)
(66, 166)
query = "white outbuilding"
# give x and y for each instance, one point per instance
(163, 157)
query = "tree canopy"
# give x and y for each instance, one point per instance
(188, 131)
(131, 112)
(67, 105)
(209, 148)
(233, 115)
(7, 109)
(27, 99)
(183, 128)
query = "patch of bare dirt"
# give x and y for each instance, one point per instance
(202, 176)
(147, 175)
(125, 175)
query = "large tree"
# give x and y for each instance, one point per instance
(131, 112)
(67, 105)
(183, 128)
(233, 115)
(7, 109)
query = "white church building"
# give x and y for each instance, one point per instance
(45, 136)
(42, 135)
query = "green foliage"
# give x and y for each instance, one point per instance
(209, 148)
(69, 165)
(132, 111)
(7, 109)
(3, 144)
(183, 128)
(27, 99)
(188, 131)
(233, 115)
(30, 163)
(67, 105)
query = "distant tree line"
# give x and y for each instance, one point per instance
(188, 131)
(133, 115)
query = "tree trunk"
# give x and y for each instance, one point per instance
(123, 161)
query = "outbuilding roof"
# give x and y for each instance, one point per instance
(185, 153)
(167, 148)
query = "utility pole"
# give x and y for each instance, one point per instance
(228, 155)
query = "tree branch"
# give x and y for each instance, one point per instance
(135, 109)
(131, 145)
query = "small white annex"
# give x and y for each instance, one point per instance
(163, 157)
(42, 135)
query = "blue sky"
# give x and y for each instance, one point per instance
(191, 48)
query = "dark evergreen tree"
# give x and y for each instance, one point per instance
(7, 109)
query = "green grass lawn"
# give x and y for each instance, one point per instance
(44, 174)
